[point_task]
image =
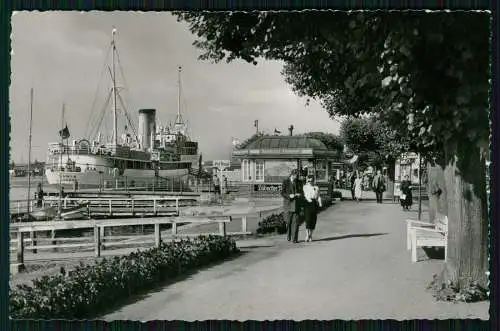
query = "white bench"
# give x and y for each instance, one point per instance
(425, 234)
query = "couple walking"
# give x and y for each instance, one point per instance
(300, 204)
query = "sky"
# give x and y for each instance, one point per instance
(62, 56)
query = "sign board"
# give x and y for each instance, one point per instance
(267, 187)
(221, 164)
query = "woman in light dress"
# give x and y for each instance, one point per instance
(358, 188)
(312, 203)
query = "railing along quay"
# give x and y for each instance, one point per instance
(166, 206)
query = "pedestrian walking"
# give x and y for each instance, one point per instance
(312, 203)
(217, 193)
(291, 193)
(358, 188)
(378, 185)
(353, 180)
(406, 197)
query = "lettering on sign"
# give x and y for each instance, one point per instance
(267, 187)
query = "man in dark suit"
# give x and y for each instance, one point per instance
(378, 186)
(291, 191)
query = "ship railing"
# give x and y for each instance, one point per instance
(21, 206)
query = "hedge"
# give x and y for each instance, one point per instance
(87, 289)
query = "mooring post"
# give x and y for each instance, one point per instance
(177, 205)
(110, 207)
(97, 241)
(154, 207)
(174, 228)
(157, 235)
(133, 204)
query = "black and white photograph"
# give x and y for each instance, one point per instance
(263, 165)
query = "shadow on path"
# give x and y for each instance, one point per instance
(351, 236)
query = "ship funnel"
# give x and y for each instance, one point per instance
(147, 127)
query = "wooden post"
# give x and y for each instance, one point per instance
(154, 207)
(20, 248)
(97, 241)
(110, 207)
(177, 205)
(133, 204)
(102, 236)
(174, 228)
(54, 242)
(222, 228)
(65, 203)
(157, 235)
(244, 224)
(18, 207)
(33, 240)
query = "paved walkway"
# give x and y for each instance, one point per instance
(357, 268)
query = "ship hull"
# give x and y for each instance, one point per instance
(97, 172)
(96, 180)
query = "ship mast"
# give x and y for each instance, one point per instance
(115, 133)
(178, 120)
(29, 148)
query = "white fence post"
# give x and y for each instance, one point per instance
(244, 224)
(157, 235)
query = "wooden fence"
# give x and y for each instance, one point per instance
(99, 240)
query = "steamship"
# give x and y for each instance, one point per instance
(153, 151)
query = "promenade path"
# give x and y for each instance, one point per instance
(357, 268)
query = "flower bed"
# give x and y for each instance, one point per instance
(87, 289)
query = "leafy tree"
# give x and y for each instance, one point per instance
(425, 75)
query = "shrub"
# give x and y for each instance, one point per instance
(274, 223)
(87, 289)
(470, 291)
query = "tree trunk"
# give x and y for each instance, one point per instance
(436, 191)
(465, 180)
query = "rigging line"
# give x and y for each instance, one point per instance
(128, 117)
(120, 68)
(92, 109)
(103, 113)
